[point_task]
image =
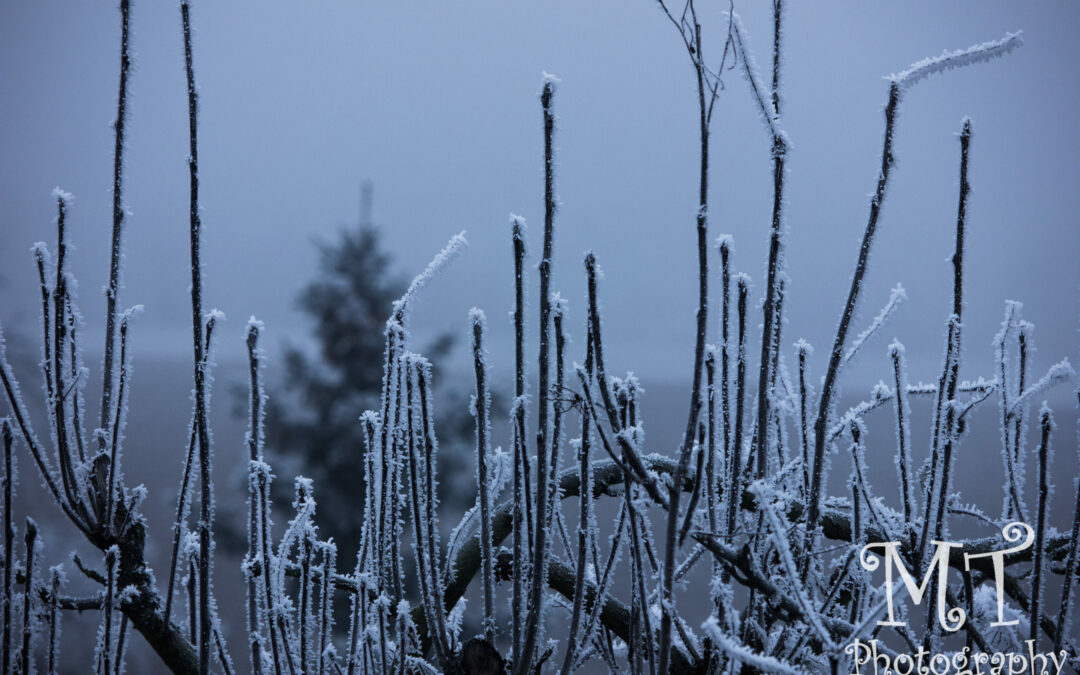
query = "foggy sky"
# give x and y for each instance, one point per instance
(437, 104)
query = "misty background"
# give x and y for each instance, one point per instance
(437, 104)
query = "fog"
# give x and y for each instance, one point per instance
(438, 107)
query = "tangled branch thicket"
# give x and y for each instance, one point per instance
(752, 461)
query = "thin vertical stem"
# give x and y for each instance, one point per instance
(40, 254)
(109, 517)
(30, 539)
(702, 449)
(112, 290)
(183, 494)
(59, 410)
(712, 493)
(521, 459)
(725, 347)
(329, 552)
(110, 595)
(76, 399)
(778, 7)
(949, 378)
(804, 395)
(430, 447)
(1039, 554)
(559, 308)
(734, 488)
(121, 644)
(275, 616)
(583, 530)
(358, 624)
(605, 576)
(903, 433)
(771, 309)
(397, 499)
(420, 531)
(540, 530)
(1013, 502)
(1022, 329)
(958, 302)
(393, 332)
(667, 600)
(193, 596)
(304, 619)
(482, 405)
(206, 490)
(631, 456)
(637, 522)
(255, 444)
(54, 621)
(825, 403)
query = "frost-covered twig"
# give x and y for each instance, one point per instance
(183, 494)
(825, 402)
(637, 528)
(326, 600)
(1022, 336)
(112, 290)
(109, 517)
(540, 529)
(733, 485)
(903, 428)
(53, 652)
(765, 496)
(78, 493)
(1038, 564)
(761, 93)
(481, 406)
(898, 85)
(521, 459)
(441, 260)
(712, 476)
(22, 420)
(724, 243)
(896, 297)
(605, 577)
(1059, 373)
(771, 307)
(739, 652)
(555, 513)
(942, 437)
(30, 540)
(111, 556)
(804, 350)
(1013, 501)
(206, 490)
(254, 437)
(945, 427)
(699, 452)
(420, 445)
(631, 455)
(704, 110)
(949, 60)
(585, 524)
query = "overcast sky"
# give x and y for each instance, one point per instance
(437, 104)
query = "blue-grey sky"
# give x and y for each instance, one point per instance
(437, 104)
